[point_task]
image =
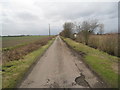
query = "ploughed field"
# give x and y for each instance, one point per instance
(16, 47)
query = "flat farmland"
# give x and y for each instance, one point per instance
(19, 40)
(14, 48)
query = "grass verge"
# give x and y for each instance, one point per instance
(105, 65)
(13, 71)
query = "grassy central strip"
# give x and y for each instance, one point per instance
(103, 64)
(13, 71)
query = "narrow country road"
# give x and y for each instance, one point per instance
(59, 68)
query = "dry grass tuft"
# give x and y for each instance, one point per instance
(107, 43)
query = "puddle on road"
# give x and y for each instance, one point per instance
(81, 81)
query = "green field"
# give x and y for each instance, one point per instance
(17, 40)
(105, 65)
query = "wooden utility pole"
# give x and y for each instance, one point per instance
(49, 30)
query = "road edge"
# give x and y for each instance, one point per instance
(33, 65)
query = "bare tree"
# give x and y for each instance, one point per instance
(77, 27)
(68, 29)
(83, 29)
(101, 30)
(88, 28)
(93, 25)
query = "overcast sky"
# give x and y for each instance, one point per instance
(33, 16)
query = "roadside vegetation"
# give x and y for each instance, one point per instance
(88, 37)
(14, 69)
(105, 65)
(105, 42)
(91, 33)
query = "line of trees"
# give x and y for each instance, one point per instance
(85, 32)
(83, 29)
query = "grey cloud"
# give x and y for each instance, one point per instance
(77, 10)
(27, 16)
(35, 19)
